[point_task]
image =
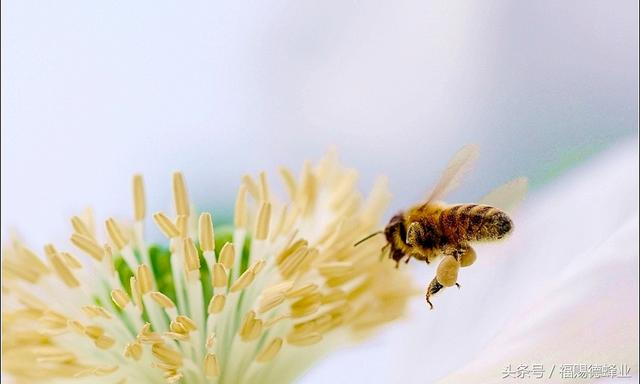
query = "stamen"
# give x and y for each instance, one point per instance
(291, 265)
(163, 300)
(71, 260)
(227, 255)
(107, 260)
(135, 292)
(178, 327)
(104, 342)
(133, 350)
(88, 245)
(304, 290)
(180, 197)
(275, 320)
(165, 225)
(93, 331)
(308, 189)
(243, 281)
(264, 187)
(303, 340)
(22, 272)
(52, 320)
(269, 352)
(251, 327)
(75, 326)
(61, 269)
(138, 198)
(289, 182)
(211, 368)
(188, 324)
(182, 223)
(306, 305)
(105, 370)
(146, 336)
(333, 296)
(207, 238)
(335, 269)
(96, 311)
(80, 227)
(143, 275)
(270, 301)
(32, 260)
(282, 217)
(115, 234)
(299, 244)
(252, 187)
(167, 355)
(60, 357)
(240, 216)
(258, 266)
(177, 336)
(219, 276)
(262, 224)
(192, 261)
(216, 304)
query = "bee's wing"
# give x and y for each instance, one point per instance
(508, 196)
(459, 165)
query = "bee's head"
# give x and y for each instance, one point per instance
(395, 231)
(395, 227)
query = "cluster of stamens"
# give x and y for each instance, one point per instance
(259, 301)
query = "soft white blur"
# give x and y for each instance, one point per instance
(95, 91)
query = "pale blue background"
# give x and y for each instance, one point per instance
(95, 91)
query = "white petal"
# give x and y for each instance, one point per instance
(558, 226)
(589, 314)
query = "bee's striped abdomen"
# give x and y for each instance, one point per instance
(473, 222)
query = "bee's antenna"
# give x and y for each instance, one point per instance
(367, 238)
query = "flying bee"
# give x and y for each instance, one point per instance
(434, 230)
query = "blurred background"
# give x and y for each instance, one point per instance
(93, 92)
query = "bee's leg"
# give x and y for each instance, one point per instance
(467, 257)
(454, 250)
(384, 251)
(415, 234)
(429, 256)
(447, 272)
(446, 276)
(397, 256)
(433, 288)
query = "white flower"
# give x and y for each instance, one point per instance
(575, 282)
(562, 290)
(286, 288)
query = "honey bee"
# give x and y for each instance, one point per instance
(434, 230)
